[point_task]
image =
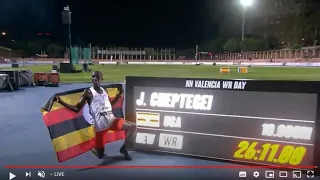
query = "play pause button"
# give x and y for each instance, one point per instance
(11, 176)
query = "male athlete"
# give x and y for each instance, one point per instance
(101, 111)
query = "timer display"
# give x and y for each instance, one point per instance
(267, 152)
(259, 122)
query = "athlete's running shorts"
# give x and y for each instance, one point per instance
(102, 136)
(117, 125)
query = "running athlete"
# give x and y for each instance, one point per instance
(101, 111)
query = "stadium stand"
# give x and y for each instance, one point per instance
(4, 54)
(7, 53)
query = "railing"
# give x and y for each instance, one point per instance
(304, 53)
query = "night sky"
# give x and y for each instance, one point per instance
(131, 23)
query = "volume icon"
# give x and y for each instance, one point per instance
(41, 174)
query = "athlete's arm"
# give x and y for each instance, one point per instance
(76, 108)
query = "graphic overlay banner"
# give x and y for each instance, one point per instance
(72, 133)
(260, 122)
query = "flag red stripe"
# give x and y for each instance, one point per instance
(119, 103)
(63, 114)
(85, 146)
(59, 115)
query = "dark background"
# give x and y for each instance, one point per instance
(122, 22)
(177, 24)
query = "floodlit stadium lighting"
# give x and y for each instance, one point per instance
(3, 33)
(246, 3)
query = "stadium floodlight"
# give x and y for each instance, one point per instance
(246, 3)
(3, 33)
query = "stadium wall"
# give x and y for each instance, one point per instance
(48, 61)
(164, 60)
(274, 64)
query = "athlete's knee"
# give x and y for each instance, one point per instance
(129, 126)
(133, 126)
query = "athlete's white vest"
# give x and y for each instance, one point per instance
(101, 110)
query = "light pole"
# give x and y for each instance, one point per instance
(66, 19)
(245, 4)
(196, 55)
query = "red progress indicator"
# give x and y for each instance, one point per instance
(160, 167)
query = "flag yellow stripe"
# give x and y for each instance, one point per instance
(74, 98)
(74, 138)
(57, 106)
(112, 92)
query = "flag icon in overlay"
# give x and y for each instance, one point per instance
(70, 132)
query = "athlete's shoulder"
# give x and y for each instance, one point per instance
(87, 92)
(103, 90)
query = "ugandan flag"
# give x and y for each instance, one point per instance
(70, 132)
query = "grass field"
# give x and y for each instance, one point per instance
(119, 72)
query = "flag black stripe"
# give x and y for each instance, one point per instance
(75, 124)
(69, 126)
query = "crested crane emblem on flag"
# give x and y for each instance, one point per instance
(73, 133)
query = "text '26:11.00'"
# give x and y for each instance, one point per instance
(266, 152)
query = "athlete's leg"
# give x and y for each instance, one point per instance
(99, 146)
(130, 129)
(99, 152)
